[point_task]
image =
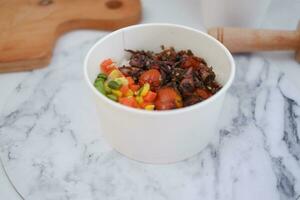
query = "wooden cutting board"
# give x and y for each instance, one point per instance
(30, 28)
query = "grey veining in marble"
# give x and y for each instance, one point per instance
(52, 148)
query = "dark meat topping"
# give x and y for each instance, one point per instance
(188, 74)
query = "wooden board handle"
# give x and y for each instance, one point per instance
(249, 40)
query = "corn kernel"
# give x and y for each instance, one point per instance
(129, 93)
(115, 74)
(149, 107)
(144, 90)
(139, 99)
(118, 93)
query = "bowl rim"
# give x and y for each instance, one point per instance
(196, 106)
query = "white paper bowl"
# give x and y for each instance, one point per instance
(159, 136)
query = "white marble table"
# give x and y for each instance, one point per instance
(51, 147)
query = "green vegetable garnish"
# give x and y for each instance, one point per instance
(114, 74)
(112, 97)
(99, 84)
(144, 90)
(107, 89)
(121, 80)
(114, 85)
(102, 76)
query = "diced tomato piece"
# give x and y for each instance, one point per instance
(107, 66)
(124, 89)
(152, 76)
(144, 104)
(129, 101)
(134, 87)
(168, 98)
(106, 62)
(150, 96)
(130, 80)
(109, 69)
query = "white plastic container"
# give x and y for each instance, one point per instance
(159, 136)
(236, 13)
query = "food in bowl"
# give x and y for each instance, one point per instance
(159, 137)
(165, 80)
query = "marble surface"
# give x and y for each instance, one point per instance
(51, 146)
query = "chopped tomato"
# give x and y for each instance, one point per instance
(124, 89)
(134, 87)
(145, 103)
(106, 62)
(150, 96)
(129, 101)
(130, 80)
(107, 66)
(168, 98)
(152, 76)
